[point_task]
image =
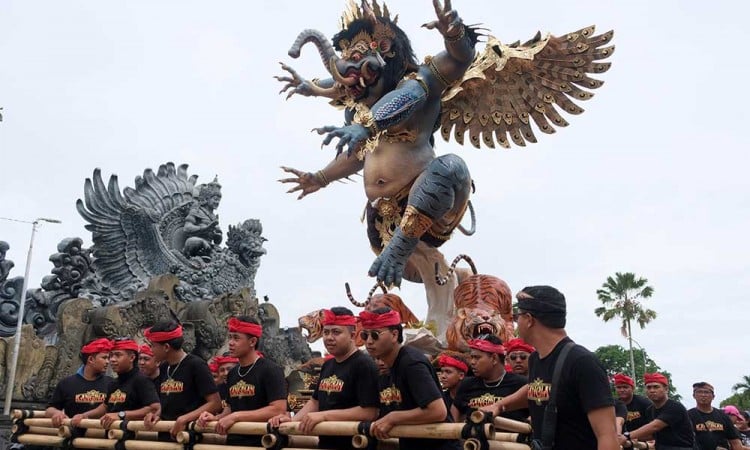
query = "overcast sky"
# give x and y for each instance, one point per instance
(651, 179)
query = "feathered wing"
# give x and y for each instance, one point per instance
(507, 87)
(128, 242)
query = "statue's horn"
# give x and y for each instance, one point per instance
(442, 280)
(351, 297)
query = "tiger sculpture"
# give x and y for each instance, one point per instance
(483, 306)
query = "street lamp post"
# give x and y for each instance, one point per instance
(17, 346)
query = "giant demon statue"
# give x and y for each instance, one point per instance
(393, 105)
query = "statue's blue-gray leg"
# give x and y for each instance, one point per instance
(445, 181)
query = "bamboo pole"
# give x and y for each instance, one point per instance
(506, 437)
(232, 447)
(35, 430)
(94, 443)
(270, 440)
(249, 428)
(388, 444)
(360, 441)
(142, 435)
(512, 425)
(475, 444)
(37, 439)
(67, 431)
(27, 413)
(153, 445)
(36, 422)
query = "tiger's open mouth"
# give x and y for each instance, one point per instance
(483, 328)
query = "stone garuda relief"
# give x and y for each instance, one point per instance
(166, 224)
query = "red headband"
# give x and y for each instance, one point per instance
(146, 350)
(371, 320)
(163, 336)
(486, 346)
(238, 326)
(655, 378)
(100, 345)
(448, 361)
(518, 345)
(221, 360)
(213, 367)
(623, 379)
(329, 318)
(126, 344)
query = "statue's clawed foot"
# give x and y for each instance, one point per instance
(389, 265)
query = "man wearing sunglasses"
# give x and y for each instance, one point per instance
(347, 387)
(518, 355)
(412, 391)
(585, 407)
(490, 382)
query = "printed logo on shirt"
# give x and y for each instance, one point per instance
(331, 384)
(171, 387)
(709, 425)
(483, 400)
(633, 415)
(242, 389)
(116, 397)
(390, 395)
(92, 396)
(539, 391)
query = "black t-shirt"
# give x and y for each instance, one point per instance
(448, 400)
(253, 387)
(352, 382)
(413, 383)
(473, 393)
(76, 395)
(637, 412)
(183, 387)
(679, 432)
(714, 429)
(583, 387)
(129, 391)
(621, 410)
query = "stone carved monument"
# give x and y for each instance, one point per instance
(156, 255)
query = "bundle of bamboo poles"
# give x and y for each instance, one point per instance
(38, 430)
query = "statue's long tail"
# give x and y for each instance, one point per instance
(379, 284)
(442, 280)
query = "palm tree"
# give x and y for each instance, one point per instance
(743, 386)
(620, 295)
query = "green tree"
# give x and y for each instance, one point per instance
(620, 298)
(616, 359)
(741, 396)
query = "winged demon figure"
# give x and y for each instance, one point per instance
(393, 105)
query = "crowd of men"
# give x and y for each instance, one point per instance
(541, 377)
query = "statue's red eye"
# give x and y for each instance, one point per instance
(356, 56)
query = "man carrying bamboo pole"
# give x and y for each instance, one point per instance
(87, 388)
(256, 388)
(186, 386)
(412, 390)
(490, 382)
(347, 388)
(130, 396)
(585, 417)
